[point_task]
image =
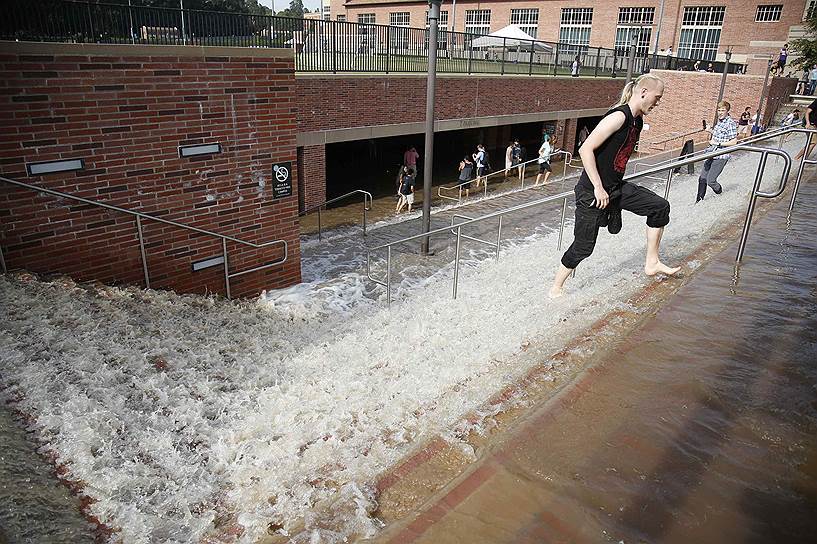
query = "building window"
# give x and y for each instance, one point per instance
(575, 28)
(342, 18)
(809, 12)
(365, 18)
(401, 18)
(768, 14)
(442, 31)
(634, 21)
(701, 32)
(327, 15)
(399, 36)
(527, 19)
(478, 21)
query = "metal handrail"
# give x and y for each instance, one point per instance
(319, 207)
(568, 163)
(751, 139)
(564, 196)
(139, 216)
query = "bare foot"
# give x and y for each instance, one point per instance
(660, 268)
(555, 292)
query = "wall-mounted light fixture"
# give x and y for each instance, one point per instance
(204, 149)
(51, 167)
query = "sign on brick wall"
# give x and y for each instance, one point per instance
(281, 179)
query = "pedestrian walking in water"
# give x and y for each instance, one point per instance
(811, 123)
(508, 159)
(544, 160)
(481, 161)
(724, 134)
(466, 173)
(410, 158)
(602, 193)
(406, 190)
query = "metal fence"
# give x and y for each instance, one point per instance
(318, 45)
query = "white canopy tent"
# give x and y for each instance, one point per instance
(510, 36)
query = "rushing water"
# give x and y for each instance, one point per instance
(701, 428)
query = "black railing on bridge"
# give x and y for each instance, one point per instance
(318, 45)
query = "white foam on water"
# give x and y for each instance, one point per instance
(184, 414)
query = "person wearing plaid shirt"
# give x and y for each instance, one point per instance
(724, 134)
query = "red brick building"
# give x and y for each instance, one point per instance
(753, 30)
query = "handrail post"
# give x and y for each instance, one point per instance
(226, 267)
(498, 236)
(364, 215)
(530, 57)
(319, 224)
(669, 184)
(598, 55)
(562, 224)
(502, 66)
(141, 251)
(388, 275)
(2, 261)
(556, 58)
(388, 47)
(335, 25)
(752, 201)
(800, 171)
(470, 51)
(456, 262)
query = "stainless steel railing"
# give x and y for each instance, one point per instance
(140, 216)
(321, 206)
(765, 152)
(568, 163)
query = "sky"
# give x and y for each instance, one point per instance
(283, 4)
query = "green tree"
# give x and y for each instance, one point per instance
(295, 10)
(231, 6)
(806, 47)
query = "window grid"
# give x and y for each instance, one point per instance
(769, 13)
(442, 23)
(366, 18)
(527, 19)
(442, 31)
(478, 21)
(703, 16)
(342, 18)
(400, 18)
(624, 35)
(577, 16)
(575, 29)
(701, 32)
(636, 16)
(810, 5)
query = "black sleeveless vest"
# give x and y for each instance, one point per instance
(613, 154)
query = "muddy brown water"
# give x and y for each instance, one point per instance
(701, 427)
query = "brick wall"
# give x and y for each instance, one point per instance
(690, 97)
(312, 167)
(125, 110)
(330, 102)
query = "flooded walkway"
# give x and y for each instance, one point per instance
(700, 427)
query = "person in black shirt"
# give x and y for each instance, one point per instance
(602, 193)
(811, 122)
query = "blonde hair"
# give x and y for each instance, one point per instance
(725, 104)
(627, 93)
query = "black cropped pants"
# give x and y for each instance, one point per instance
(630, 197)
